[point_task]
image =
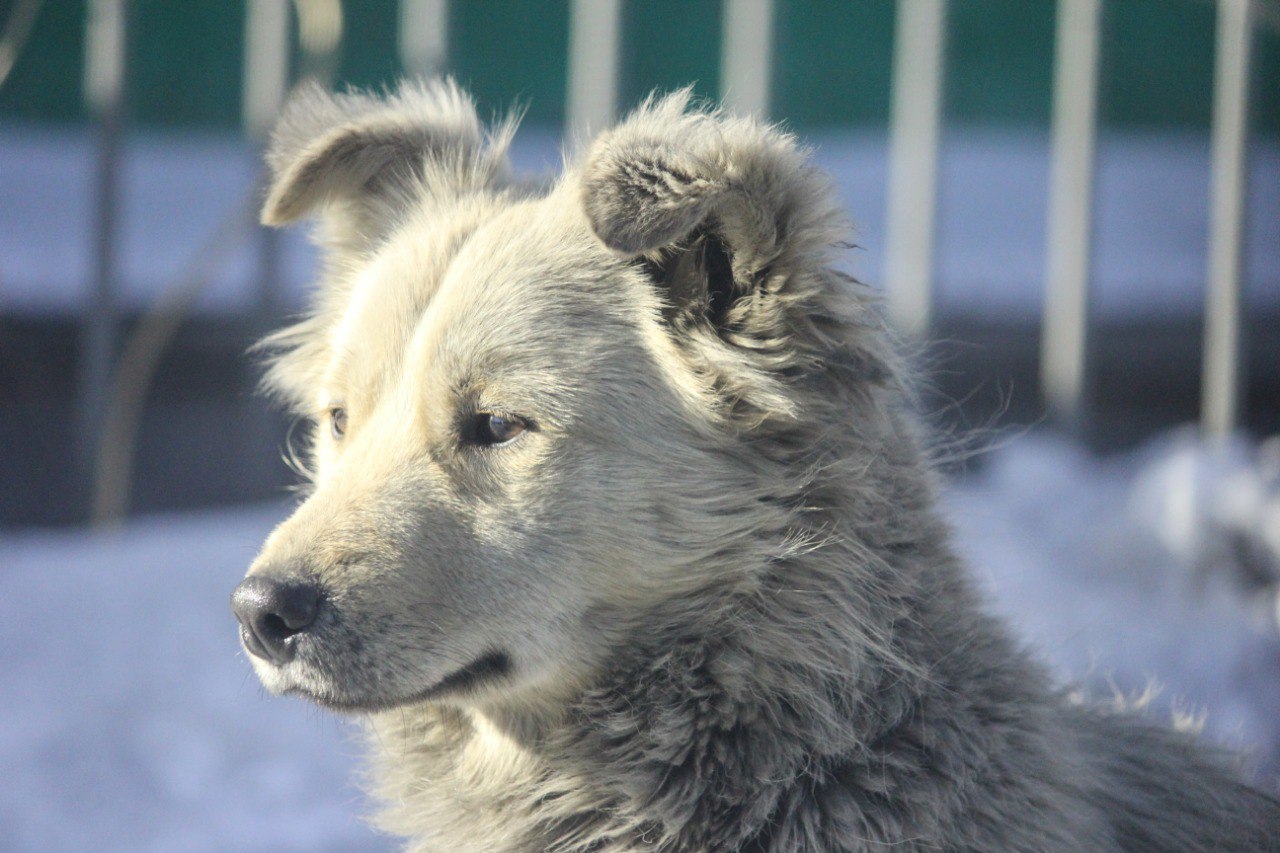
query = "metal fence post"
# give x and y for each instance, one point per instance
(1222, 372)
(1068, 236)
(746, 56)
(266, 79)
(266, 65)
(595, 28)
(104, 90)
(919, 58)
(423, 36)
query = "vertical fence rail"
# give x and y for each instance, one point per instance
(746, 56)
(423, 36)
(1070, 216)
(595, 30)
(266, 79)
(105, 49)
(1222, 373)
(919, 51)
(266, 65)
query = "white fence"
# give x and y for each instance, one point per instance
(918, 78)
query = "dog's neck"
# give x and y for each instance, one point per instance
(719, 727)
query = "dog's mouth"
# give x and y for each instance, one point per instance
(487, 669)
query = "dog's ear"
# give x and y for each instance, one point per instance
(729, 220)
(365, 157)
(725, 213)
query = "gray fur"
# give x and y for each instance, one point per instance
(731, 614)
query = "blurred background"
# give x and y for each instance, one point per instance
(1072, 208)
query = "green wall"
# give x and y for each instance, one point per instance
(831, 67)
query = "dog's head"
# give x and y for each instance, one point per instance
(536, 417)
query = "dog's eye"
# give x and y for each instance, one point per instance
(337, 422)
(488, 429)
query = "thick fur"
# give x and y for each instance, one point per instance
(704, 601)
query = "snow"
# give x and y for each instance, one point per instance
(1076, 551)
(1151, 218)
(130, 720)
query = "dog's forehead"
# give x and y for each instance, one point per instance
(532, 251)
(387, 297)
(499, 293)
(530, 275)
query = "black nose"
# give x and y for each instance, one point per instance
(272, 611)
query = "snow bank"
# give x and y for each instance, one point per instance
(1074, 550)
(129, 718)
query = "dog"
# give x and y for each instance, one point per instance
(621, 534)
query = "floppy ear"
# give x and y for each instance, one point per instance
(728, 219)
(725, 213)
(365, 158)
